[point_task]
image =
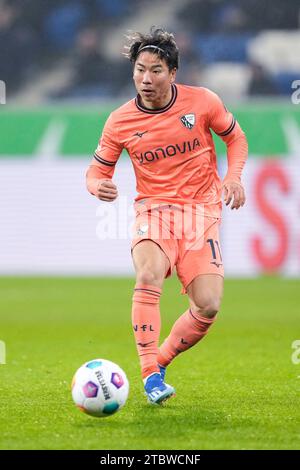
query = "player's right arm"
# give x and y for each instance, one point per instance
(100, 172)
(103, 189)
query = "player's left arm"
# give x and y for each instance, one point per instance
(237, 152)
(224, 124)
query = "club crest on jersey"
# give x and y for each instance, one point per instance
(188, 120)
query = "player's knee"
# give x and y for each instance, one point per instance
(149, 276)
(208, 307)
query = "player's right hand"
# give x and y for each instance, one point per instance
(106, 191)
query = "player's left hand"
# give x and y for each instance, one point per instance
(235, 192)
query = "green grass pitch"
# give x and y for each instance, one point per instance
(237, 389)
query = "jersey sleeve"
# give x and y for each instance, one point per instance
(105, 157)
(221, 121)
(108, 150)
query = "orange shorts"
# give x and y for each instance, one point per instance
(188, 238)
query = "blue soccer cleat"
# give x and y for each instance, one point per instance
(162, 371)
(156, 390)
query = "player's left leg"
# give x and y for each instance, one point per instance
(200, 269)
(205, 294)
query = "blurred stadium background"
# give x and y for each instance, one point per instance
(64, 72)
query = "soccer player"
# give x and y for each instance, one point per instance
(166, 131)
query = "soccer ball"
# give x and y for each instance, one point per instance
(100, 388)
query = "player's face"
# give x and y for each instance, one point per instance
(153, 79)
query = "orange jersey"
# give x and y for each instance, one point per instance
(172, 149)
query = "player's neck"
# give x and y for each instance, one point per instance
(160, 103)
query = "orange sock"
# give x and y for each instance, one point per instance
(146, 325)
(186, 331)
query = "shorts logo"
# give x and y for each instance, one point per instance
(188, 120)
(216, 264)
(142, 229)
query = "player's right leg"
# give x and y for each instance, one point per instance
(151, 265)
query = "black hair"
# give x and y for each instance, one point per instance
(158, 41)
